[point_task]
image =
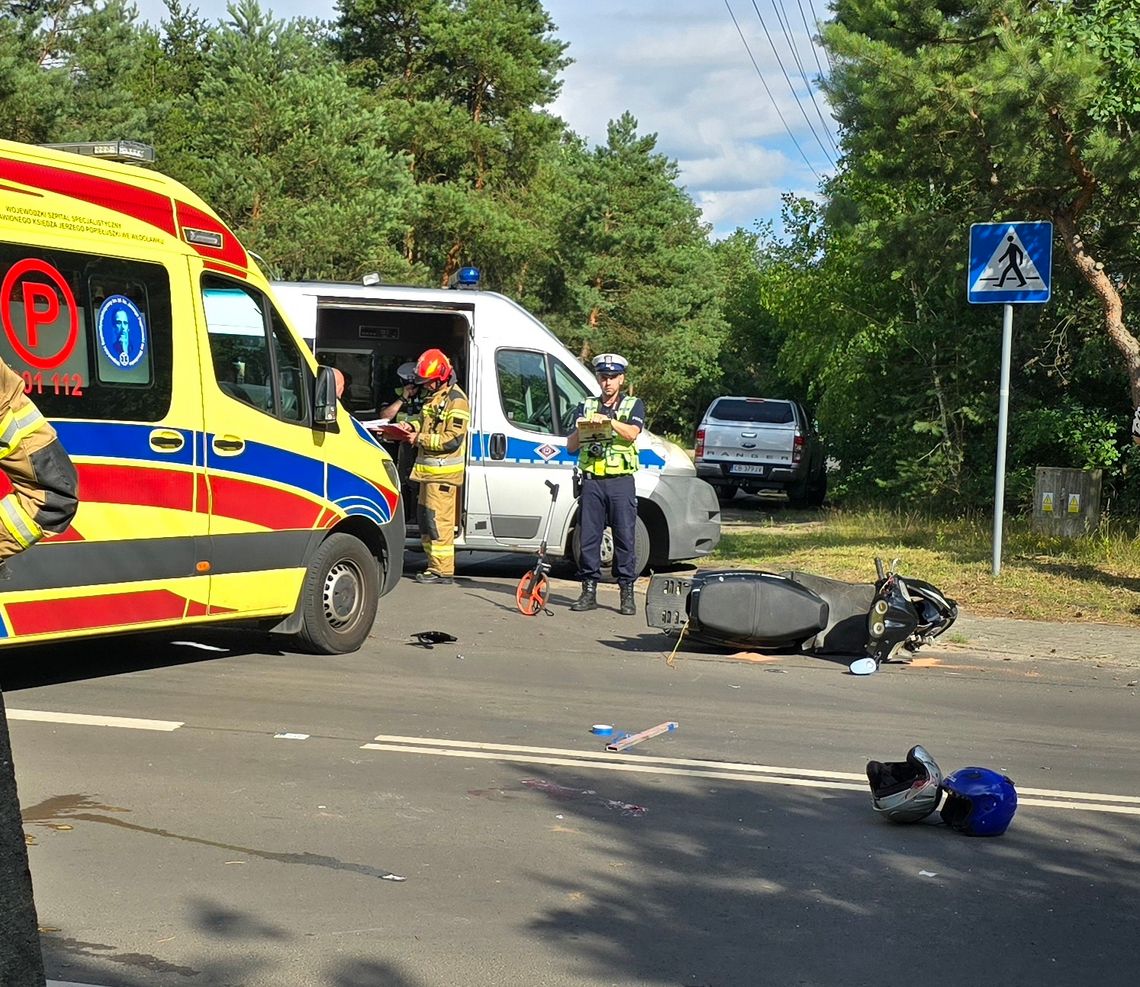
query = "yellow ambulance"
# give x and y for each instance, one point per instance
(219, 477)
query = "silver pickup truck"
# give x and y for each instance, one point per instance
(758, 444)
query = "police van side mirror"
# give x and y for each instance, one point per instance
(324, 400)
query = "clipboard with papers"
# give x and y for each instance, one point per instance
(594, 430)
(388, 430)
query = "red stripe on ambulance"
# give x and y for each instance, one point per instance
(110, 610)
(130, 200)
(139, 486)
(259, 504)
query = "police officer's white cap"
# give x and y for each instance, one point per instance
(610, 363)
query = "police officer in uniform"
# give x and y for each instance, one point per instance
(439, 434)
(608, 495)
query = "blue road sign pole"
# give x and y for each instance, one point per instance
(1003, 429)
(1011, 263)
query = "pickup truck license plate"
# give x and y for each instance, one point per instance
(747, 468)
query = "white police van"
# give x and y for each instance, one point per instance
(524, 386)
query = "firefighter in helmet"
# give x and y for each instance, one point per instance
(439, 434)
(44, 483)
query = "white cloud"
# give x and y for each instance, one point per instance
(680, 68)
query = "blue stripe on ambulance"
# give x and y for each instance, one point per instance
(116, 440)
(130, 445)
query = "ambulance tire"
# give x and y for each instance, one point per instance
(641, 546)
(339, 596)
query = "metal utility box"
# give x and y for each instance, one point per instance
(1066, 502)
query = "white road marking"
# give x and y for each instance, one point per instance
(86, 719)
(763, 774)
(615, 765)
(609, 756)
(290, 736)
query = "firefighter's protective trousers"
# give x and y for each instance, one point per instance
(441, 446)
(44, 483)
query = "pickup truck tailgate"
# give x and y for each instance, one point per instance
(748, 442)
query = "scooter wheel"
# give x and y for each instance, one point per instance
(530, 596)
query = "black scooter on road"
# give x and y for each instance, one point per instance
(871, 623)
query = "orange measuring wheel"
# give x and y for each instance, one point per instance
(530, 596)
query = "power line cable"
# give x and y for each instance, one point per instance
(792, 88)
(819, 30)
(786, 27)
(814, 47)
(772, 98)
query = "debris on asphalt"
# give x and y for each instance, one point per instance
(429, 639)
(564, 794)
(637, 738)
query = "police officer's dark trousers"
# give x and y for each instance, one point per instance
(608, 500)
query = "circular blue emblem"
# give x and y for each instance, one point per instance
(122, 332)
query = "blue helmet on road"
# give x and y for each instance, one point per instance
(979, 802)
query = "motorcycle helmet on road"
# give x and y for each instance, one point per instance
(906, 791)
(979, 802)
(433, 365)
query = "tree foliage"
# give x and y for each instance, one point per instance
(412, 136)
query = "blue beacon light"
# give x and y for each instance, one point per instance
(465, 277)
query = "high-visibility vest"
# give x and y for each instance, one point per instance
(442, 441)
(619, 456)
(43, 497)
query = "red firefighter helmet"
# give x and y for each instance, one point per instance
(433, 365)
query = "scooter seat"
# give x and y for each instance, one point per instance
(758, 608)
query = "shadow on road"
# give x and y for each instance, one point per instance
(50, 664)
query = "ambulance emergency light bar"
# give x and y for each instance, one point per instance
(129, 152)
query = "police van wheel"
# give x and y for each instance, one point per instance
(339, 596)
(641, 548)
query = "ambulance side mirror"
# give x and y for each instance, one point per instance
(324, 400)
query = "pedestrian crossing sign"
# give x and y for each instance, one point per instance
(1010, 263)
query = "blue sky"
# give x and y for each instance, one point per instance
(681, 68)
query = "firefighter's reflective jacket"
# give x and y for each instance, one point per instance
(442, 441)
(44, 483)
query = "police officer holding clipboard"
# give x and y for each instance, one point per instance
(605, 439)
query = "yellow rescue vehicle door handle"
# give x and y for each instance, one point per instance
(166, 440)
(228, 445)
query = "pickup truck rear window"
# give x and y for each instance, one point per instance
(753, 412)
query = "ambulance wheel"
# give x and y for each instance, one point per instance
(641, 547)
(339, 596)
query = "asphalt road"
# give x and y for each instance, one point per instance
(267, 818)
